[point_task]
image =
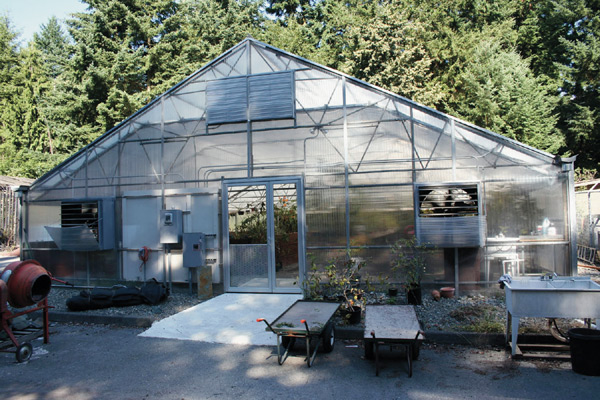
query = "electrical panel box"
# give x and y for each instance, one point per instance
(171, 226)
(194, 250)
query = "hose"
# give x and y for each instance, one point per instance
(556, 332)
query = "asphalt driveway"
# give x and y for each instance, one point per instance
(100, 362)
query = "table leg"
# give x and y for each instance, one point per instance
(515, 334)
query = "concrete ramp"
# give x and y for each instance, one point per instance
(229, 318)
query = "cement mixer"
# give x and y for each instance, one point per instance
(24, 284)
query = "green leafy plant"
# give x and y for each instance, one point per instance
(339, 279)
(409, 261)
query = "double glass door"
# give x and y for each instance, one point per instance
(264, 241)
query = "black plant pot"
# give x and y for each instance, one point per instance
(352, 315)
(413, 295)
(393, 292)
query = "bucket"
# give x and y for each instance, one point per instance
(585, 351)
(28, 283)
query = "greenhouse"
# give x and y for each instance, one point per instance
(262, 164)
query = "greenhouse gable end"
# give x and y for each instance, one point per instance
(262, 163)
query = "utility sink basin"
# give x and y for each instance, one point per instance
(549, 297)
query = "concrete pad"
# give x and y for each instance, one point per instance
(229, 318)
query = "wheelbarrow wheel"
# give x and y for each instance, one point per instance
(328, 338)
(24, 352)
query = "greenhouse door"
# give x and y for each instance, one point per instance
(264, 244)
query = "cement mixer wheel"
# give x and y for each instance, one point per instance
(24, 352)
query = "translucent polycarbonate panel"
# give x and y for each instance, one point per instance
(40, 215)
(546, 259)
(194, 87)
(235, 64)
(276, 124)
(221, 156)
(521, 172)
(432, 146)
(380, 215)
(326, 118)
(434, 176)
(146, 132)
(358, 95)
(184, 129)
(483, 143)
(150, 115)
(185, 107)
(318, 259)
(279, 152)
(315, 90)
(358, 115)
(392, 177)
(264, 61)
(401, 108)
(518, 209)
(140, 163)
(429, 118)
(179, 160)
(380, 147)
(441, 269)
(325, 217)
(325, 153)
(468, 173)
(103, 164)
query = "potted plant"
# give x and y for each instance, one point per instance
(343, 281)
(408, 264)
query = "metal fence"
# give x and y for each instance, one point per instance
(9, 217)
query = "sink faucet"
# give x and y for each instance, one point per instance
(549, 276)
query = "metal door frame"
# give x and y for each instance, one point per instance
(268, 182)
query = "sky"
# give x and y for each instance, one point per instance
(26, 16)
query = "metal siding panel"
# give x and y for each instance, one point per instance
(452, 232)
(271, 96)
(226, 100)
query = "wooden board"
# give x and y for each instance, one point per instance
(391, 322)
(316, 313)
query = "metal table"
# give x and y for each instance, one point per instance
(309, 320)
(393, 325)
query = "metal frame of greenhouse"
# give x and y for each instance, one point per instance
(273, 163)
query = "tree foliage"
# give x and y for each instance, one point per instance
(528, 70)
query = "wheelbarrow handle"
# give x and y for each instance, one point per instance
(265, 321)
(303, 321)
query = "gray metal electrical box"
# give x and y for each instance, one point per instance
(171, 226)
(194, 250)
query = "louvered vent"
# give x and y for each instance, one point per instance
(85, 225)
(254, 97)
(450, 215)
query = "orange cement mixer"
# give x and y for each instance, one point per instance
(23, 284)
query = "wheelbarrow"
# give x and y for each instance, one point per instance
(308, 320)
(394, 326)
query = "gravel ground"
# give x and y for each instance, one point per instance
(484, 312)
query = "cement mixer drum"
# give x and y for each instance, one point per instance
(27, 282)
